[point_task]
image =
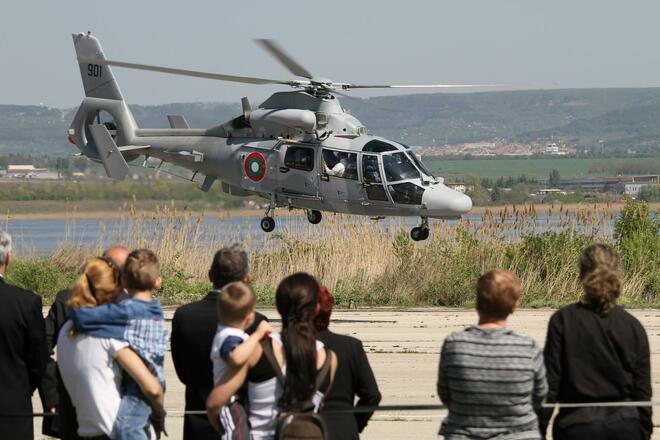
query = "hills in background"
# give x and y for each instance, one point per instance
(622, 118)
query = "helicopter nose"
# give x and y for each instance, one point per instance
(444, 202)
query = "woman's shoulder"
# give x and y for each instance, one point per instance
(619, 312)
(277, 338)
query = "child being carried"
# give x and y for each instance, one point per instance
(232, 348)
(139, 321)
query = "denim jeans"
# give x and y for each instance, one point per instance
(132, 421)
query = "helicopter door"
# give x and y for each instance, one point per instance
(296, 174)
(374, 193)
(339, 179)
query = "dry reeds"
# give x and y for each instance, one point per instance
(366, 262)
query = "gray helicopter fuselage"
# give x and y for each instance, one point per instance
(295, 174)
(298, 149)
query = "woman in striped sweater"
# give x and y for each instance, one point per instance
(492, 379)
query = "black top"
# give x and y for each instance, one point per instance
(54, 321)
(51, 387)
(354, 377)
(590, 358)
(23, 355)
(193, 329)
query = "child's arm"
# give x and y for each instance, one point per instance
(238, 354)
(106, 321)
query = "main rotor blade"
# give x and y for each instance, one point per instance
(284, 58)
(193, 73)
(416, 86)
(361, 100)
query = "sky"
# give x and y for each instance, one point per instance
(574, 44)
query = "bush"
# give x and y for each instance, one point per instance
(41, 276)
(636, 233)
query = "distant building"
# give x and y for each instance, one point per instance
(634, 184)
(24, 171)
(457, 186)
(553, 149)
(628, 185)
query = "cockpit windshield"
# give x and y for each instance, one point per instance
(417, 161)
(420, 164)
(399, 167)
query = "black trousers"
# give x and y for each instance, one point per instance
(621, 429)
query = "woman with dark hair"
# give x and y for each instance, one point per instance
(595, 351)
(297, 352)
(354, 378)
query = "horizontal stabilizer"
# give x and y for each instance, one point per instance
(177, 121)
(114, 163)
(133, 147)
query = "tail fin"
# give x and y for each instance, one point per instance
(98, 80)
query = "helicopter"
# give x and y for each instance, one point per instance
(299, 149)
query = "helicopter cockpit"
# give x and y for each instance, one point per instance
(380, 177)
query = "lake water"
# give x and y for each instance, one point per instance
(41, 237)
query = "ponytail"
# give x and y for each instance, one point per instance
(98, 283)
(599, 274)
(296, 298)
(81, 294)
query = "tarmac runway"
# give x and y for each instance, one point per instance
(403, 348)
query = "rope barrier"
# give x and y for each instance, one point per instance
(412, 407)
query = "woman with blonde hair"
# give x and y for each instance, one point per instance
(91, 367)
(595, 351)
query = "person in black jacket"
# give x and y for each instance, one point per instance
(595, 351)
(354, 377)
(193, 329)
(23, 351)
(54, 396)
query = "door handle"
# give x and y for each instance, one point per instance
(325, 177)
(284, 169)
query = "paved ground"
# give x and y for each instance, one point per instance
(403, 348)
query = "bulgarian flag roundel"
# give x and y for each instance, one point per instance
(255, 166)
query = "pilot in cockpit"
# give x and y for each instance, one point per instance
(340, 162)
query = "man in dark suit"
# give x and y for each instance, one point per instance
(23, 351)
(353, 377)
(54, 396)
(193, 329)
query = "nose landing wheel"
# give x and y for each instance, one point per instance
(314, 216)
(419, 233)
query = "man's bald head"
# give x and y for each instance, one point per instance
(118, 254)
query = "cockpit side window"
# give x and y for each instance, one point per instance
(299, 158)
(370, 170)
(340, 164)
(406, 193)
(378, 147)
(399, 167)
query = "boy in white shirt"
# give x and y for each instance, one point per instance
(232, 347)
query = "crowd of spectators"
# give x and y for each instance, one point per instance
(244, 380)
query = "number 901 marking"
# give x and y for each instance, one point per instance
(95, 70)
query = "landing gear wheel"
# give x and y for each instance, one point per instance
(314, 216)
(419, 233)
(267, 224)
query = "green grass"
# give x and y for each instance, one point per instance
(568, 167)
